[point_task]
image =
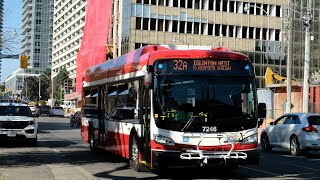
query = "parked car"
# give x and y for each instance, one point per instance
(298, 132)
(44, 109)
(56, 111)
(35, 110)
(17, 123)
(75, 119)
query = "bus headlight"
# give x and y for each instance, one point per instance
(251, 139)
(163, 140)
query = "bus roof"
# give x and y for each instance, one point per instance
(135, 60)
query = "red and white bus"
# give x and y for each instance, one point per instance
(160, 106)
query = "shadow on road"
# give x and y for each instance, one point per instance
(44, 126)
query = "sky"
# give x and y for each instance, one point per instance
(12, 21)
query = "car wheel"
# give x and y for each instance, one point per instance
(295, 149)
(134, 155)
(265, 144)
(92, 142)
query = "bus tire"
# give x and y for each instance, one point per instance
(92, 142)
(134, 155)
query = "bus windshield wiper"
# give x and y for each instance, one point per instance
(185, 127)
(188, 124)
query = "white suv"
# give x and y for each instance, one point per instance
(17, 123)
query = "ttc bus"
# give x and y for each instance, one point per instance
(160, 106)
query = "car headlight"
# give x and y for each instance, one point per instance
(163, 140)
(31, 122)
(251, 139)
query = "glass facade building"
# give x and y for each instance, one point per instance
(256, 28)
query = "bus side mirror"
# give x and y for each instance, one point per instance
(148, 78)
(260, 122)
(262, 110)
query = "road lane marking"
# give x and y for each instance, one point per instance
(258, 170)
(299, 166)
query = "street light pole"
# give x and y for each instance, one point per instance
(307, 23)
(289, 60)
(39, 88)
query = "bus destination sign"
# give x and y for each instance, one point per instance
(202, 66)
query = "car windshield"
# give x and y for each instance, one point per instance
(314, 120)
(186, 103)
(15, 111)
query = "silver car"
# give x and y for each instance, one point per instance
(298, 132)
(56, 111)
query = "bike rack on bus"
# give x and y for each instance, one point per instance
(205, 155)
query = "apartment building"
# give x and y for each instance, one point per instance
(36, 41)
(69, 20)
(37, 34)
(1, 29)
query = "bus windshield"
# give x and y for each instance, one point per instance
(204, 103)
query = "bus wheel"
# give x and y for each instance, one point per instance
(134, 155)
(91, 140)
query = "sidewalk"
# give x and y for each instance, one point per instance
(2, 174)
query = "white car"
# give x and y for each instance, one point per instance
(298, 132)
(35, 110)
(17, 123)
(56, 111)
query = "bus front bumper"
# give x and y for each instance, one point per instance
(173, 159)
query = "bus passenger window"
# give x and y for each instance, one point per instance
(128, 114)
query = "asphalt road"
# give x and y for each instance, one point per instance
(61, 154)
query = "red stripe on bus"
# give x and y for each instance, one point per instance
(118, 143)
(237, 147)
(84, 133)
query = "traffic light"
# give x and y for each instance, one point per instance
(23, 61)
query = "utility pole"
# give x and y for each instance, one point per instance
(289, 59)
(307, 23)
(39, 88)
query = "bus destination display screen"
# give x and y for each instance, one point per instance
(181, 66)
